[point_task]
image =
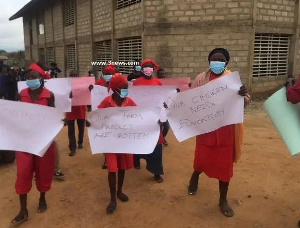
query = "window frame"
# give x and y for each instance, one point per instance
(271, 55)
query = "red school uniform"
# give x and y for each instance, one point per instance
(101, 82)
(214, 153)
(117, 161)
(27, 164)
(147, 82)
(77, 113)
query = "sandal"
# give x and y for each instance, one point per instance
(59, 175)
(20, 218)
(158, 178)
(42, 206)
(111, 208)
(192, 191)
(123, 197)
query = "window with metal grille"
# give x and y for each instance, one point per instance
(69, 12)
(125, 3)
(129, 50)
(71, 57)
(103, 53)
(50, 55)
(271, 55)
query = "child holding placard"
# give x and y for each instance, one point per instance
(154, 160)
(117, 162)
(28, 164)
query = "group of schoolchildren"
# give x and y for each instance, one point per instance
(214, 155)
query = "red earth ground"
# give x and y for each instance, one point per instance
(264, 191)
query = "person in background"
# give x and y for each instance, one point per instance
(54, 70)
(77, 113)
(11, 85)
(90, 74)
(28, 164)
(108, 71)
(117, 162)
(154, 160)
(22, 74)
(217, 150)
(136, 73)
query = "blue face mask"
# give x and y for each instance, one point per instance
(33, 84)
(124, 93)
(107, 77)
(217, 67)
(138, 68)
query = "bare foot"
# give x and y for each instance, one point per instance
(225, 208)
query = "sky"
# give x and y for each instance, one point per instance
(11, 32)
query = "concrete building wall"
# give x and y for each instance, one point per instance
(48, 25)
(83, 18)
(102, 14)
(60, 59)
(69, 32)
(128, 16)
(58, 21)
(84, 58)
(276, 10)
(187, 55)
(194, 11)
(34, 32)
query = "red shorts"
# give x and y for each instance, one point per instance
(118, 161)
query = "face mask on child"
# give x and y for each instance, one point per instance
(33, 84)
(123, 93)
(138, 68)
(107, 77)
(148, 71)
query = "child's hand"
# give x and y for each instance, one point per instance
(65, 121)
(91, 87)
(87, 123)
(71, 95)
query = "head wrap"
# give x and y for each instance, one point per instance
(150, 61)
(39, 70)
(109, 68)
(117, 81)
(219, 50)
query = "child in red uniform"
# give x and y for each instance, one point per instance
(117, 162)
(154, 160)
(77, 113)
(108, 72)
(27, 164)
(217, 150)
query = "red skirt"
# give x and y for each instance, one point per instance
(118, 161)
(215, 161)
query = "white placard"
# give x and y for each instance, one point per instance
(60, 87)
(152, 96)
(28, 127)
(98, 93)
(130, 130)
(206, 108)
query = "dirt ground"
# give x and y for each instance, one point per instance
(264, 191)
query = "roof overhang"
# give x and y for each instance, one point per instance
(31, 8)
